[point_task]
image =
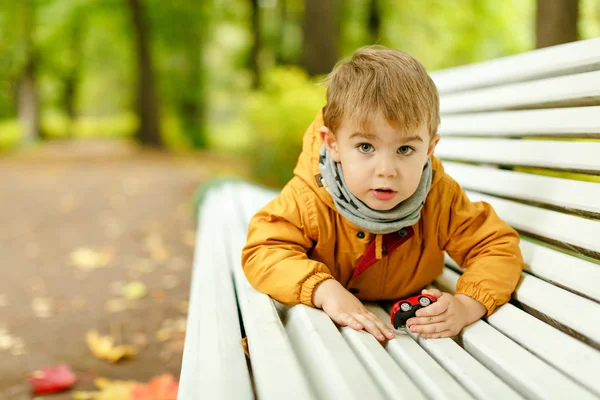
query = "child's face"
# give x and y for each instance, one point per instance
(383, 167)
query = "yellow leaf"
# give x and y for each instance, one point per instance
(109, 390)
(135, 290)
(103, 347)
(88, 259)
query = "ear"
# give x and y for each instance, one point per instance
(434, 141)
(330, 142)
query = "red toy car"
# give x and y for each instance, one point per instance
(406, 308)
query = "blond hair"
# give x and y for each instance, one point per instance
(380, 80)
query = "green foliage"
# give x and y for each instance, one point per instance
(10, 134)
(278, 116)
(57, 125)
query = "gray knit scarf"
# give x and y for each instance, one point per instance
(406, 213)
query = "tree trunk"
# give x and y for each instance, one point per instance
(256, 46)
(374, 21)
(556, 22)
(72, 76)
(147, 101)
(29, 114)
(321, 31)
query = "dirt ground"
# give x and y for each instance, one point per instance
(79, 221)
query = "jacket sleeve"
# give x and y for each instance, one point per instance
(275, 257)
(482, 243)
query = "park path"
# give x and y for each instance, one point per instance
(85, 229)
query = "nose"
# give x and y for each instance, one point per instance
(386, 168)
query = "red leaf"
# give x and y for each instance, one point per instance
(163, 387)
(52, 379)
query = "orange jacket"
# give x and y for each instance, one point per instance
(299, 239)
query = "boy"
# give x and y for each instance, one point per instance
(370, 210)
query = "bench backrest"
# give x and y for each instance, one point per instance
(523, 134)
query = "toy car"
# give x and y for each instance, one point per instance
(406, 308)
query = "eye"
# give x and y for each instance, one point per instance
(365, 148)
(405, 150)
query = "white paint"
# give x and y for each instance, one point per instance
(566, 193)
(556, 122)
(533, 153)
(567, 354)
(581, 232)
(275, 368)
(470, 373)
(214, 364)
(564, 89)
(552, 61)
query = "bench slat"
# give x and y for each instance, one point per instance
(329, 363)
(579, 156)
(470, 373)
(559, 192)
(574, 121)
(579, 361)
(581, 315)
(564, 228)
(571, 90)
(569, 272)
(276, 371)
(393, 381)
(434, 381)
(521, 369)
(573, 57)
(214, 364)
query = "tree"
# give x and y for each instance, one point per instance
(28, 106)
(256, 45)
(556, 22)
(321, 31)
(374, 21)
(147, 100)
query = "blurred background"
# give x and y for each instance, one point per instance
(113, 112)
(222, 74)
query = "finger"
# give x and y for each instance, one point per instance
(433, 292)
(346, 319)
(443, 334)
(370, 326)
(431, 328)
(387, 331)
(441, 305)
(433, 319)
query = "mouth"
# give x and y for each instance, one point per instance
(384, 193)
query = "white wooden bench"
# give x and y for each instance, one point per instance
(545, 344)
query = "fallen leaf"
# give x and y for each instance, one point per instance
(109, 390)
(155, 246)
(163, 387)
(245, 346)
(162, 335)
(103, 347)
(52, 379)
(18, 347)
(89, 259)
(42, 307)
(135, 290)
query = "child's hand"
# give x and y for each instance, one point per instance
(346, 310)
(447, 316)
